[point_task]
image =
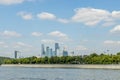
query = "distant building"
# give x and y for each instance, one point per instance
(16, 54)
(51, 53)
(72, 53)
(58, 52)
(56, 48)
(65, 53)
(42, 51)
(47, 51)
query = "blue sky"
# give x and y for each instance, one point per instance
(83, 26)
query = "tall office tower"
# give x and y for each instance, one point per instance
(47, 51)
(42, 51)
(15, 53)
(51, 53)
(60, 51)
(65, 53)
(56, 48)
(72, 53)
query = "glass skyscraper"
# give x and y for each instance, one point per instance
(15, 54)
(51, 53)
(42, 50)
(65, 53)
(47, 51)
(56, 48)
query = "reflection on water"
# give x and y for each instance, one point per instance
(34, 79)
(15, 73)
(28, 79)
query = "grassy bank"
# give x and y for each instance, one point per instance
(63, 66)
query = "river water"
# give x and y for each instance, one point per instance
(17, 73)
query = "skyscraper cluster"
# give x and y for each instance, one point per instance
(46, 51)
(49, 52)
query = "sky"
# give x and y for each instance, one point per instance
(83, 26)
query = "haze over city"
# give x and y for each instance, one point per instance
(83, 26)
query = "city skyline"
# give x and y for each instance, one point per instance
(47, 51)
(83, 26)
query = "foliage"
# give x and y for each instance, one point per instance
(85, 59)
(2, 59)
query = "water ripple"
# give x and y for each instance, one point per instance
(34, 79)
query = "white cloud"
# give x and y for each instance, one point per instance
(48, 41)
(111, 42)
(25, 15)
(50, 16)
(109, 23)
(9, 2)
(61, 37)
(63, 20)
(80, 47)
(58, 34)
(90, 16)
(3, 44)
(116, 14)
(46, 16)
(37, 34)
(87, 16)
(116, 29)
(21, 44)
(7, 33)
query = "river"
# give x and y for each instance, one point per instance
(19, 73)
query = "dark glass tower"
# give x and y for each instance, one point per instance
(56, 48)
(47, 51)
(65, 53)
(42, 50)
(15, 54)
(51, 52)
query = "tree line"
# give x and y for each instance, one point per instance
(2, 59)
(85, 59)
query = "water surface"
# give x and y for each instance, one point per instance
(17, 73)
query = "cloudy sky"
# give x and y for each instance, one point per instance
(83, 26)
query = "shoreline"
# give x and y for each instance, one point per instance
(73, 66)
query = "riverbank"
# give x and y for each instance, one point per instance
(63, 66)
